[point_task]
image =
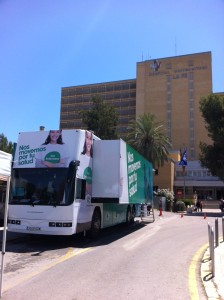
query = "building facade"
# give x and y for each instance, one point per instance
(120, 94)
(170, 88)
(197, 179)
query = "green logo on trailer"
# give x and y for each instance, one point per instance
(88, 175)
(53, 157)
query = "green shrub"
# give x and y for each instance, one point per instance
(188, 202)
(180, 206)
(165, 193)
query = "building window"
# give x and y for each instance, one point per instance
(191, 134)
(191, 114)
(192, 144)
(191, 85)
(168, 66)
(191, 76)
(168, 107)
(168, 97)
(168, 88)
(168, 79)
(191, 104)
(191, 123)
(109, 88)
(191, 95)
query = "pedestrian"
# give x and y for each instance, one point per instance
(201, 205)
(198, 205)
(195, 197)
(160, 204)
(160, 207)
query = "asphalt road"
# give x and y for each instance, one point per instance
(145, 261)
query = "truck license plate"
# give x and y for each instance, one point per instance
(30, 228)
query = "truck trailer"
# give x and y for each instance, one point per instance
(69, 181)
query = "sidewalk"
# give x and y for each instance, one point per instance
(212, 212)
(214, 287)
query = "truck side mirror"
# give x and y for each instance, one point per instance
(73, 166)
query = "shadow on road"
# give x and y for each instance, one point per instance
(26, 243)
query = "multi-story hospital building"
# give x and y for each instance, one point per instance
(170, 88)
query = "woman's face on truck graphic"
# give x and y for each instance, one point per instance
(54, 135)
(89, 141)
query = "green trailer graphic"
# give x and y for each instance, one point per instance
(139, 172)
(120, 174)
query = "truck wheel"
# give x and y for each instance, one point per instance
(133, 213)
(128, 216)
(96, 224)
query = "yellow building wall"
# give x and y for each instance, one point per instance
(172, 94)
(165, 177)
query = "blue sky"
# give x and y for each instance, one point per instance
(50, 44)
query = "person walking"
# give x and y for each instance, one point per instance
(201, 205)
(198, 205)
(195, 197)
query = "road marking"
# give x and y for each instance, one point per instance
(132, 244)
(192, 278)
(70, 253)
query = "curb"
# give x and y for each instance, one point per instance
(212, 285)
(206, 277)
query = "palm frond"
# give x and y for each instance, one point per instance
(148, 138)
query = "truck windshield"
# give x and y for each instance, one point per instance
(38, 186)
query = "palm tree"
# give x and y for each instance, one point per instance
(148, 138)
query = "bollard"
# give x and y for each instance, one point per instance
(216, 233)
(223, 229)
(212, 253)
(209, 241)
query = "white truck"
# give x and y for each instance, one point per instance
(70, 181)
